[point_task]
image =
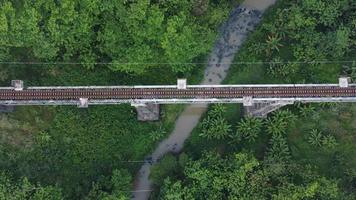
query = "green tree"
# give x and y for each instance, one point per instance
(175, 191)
(320, 188)
(26, 190)
(119, 185)
(308, 31)
(249, 128)
(181, 42)
(342, 41)
(121, 182)
(240, 176)
(213, 177)
(134, 36)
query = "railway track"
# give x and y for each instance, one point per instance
(174, 93)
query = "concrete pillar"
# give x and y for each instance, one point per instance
(182, 84)
(147, 112)
(17, 84)
(83, 103)
(247, 101)
(344, 82)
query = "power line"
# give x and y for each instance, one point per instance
(133, 161)
(261, 162)
(135, 191)
(172, 63)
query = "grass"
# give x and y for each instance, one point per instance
(338, 122)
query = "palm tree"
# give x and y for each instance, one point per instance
(329, 141)
(204, 126)
(315, 137)
(215, 128)
(157, 134)
(221, 128)
(276, 126)
(328, 104)
(278, 150)
(217, 110)
(273, 43)
(286, 116)
(307, 110)
(249, 128)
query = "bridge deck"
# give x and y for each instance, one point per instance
(174, 93)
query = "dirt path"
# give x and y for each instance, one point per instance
(233, 33)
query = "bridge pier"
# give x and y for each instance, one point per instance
(147, 111)
(6, 108)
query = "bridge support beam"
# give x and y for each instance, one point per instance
(147, 112)
(261, 110)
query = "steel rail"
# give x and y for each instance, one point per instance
(174, 93)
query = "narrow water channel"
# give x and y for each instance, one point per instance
(233, 33)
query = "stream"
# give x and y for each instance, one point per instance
(233, 33)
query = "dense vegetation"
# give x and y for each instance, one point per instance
(84, 154)
(289, 155)
(299, 152)
(120, 33)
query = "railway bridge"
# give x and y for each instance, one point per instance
(258, 99)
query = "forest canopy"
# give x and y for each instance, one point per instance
(133, 36)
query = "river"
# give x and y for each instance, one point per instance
(233, 33)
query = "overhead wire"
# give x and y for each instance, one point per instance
(175, 63)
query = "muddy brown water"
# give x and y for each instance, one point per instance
(233, 33)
